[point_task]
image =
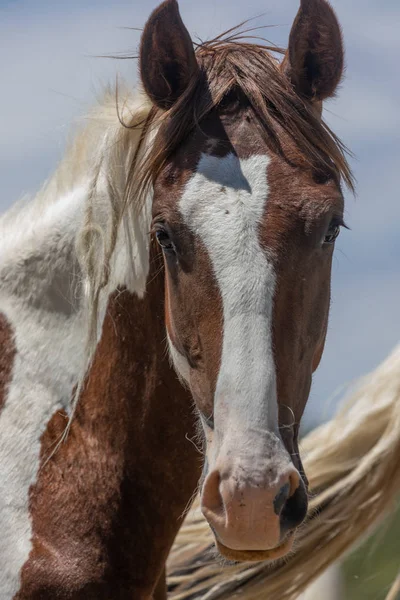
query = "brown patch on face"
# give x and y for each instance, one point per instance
(7, 355)
(195, 324)
(193, 303)
(298, 214)
(108, 504)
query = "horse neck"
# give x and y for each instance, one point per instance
(130, 430)
(43, 329)
(41, 341)
(42, 300)
(41, 308)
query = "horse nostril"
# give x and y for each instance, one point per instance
(281, 498)
(211, 495)
(294, 510)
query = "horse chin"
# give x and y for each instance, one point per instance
(256, 555)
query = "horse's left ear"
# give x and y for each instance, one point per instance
(315, 57)
(167, 58)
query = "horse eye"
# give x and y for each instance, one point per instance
(164, 240)
(333, 233)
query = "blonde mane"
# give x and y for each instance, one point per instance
(112, 244)
(83, 204)
(81, 154)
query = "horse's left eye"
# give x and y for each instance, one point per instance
(333, 232)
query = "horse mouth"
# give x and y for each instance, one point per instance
(256, 555)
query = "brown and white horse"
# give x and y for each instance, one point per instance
(226, 160)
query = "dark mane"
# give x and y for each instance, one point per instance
(229, 64)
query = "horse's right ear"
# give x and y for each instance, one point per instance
(167, 58)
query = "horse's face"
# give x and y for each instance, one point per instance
(247, 238)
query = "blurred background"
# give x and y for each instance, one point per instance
(50, 75)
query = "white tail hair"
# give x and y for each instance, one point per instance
(354, 470)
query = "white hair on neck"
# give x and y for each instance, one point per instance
(62, 255)
(111, 235)
(112, 245)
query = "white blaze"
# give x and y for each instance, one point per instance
(224, 203)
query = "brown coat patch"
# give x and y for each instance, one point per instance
(107, 506)
(7, 355)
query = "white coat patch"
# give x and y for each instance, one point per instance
(41, 297)
(42, 306)
(224, 203)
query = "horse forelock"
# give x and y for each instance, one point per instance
(232, 67)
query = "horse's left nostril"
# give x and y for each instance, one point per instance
(281, 498)
(294, 510)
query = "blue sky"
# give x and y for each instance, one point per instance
(50, 76)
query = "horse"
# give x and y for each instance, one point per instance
(174, 271)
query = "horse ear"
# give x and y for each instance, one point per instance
(167, 58)
(314, 60)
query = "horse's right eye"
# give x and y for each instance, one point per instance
(332, 234)
(164, 240)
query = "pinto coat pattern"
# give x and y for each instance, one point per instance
(226, 161)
